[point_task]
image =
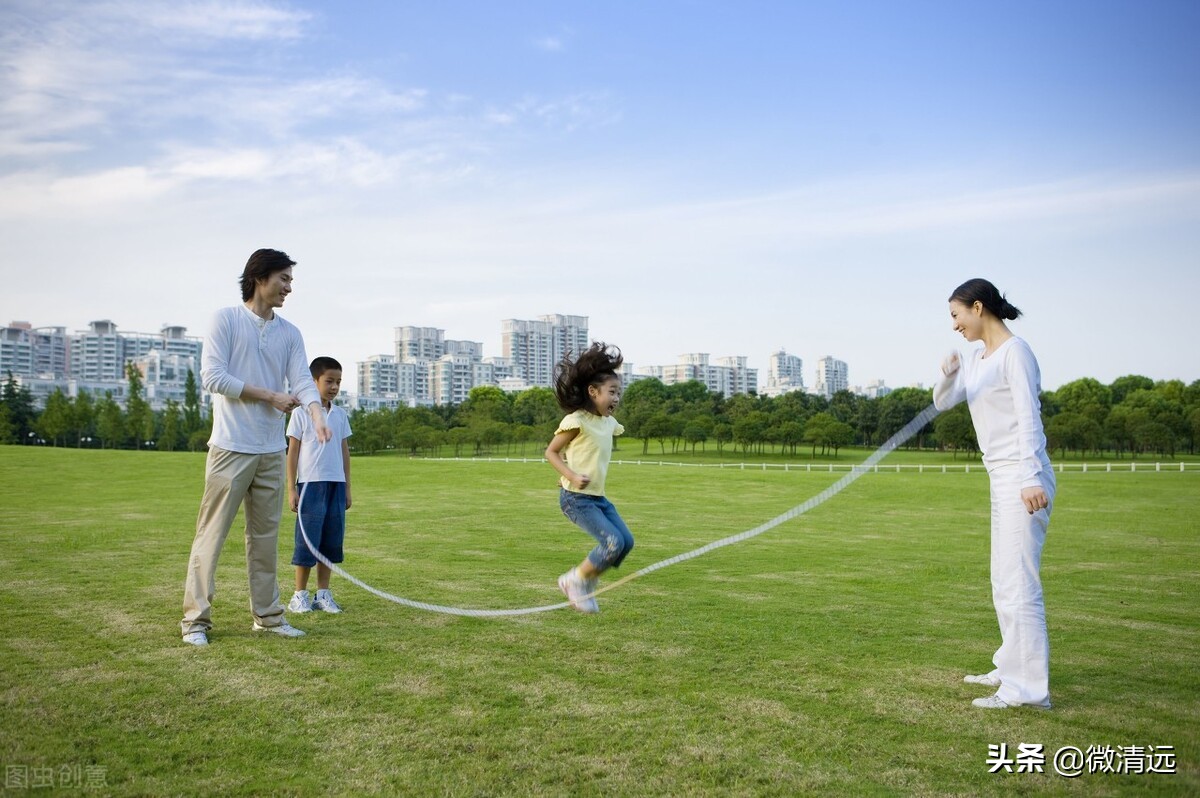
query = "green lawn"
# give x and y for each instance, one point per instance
(824, 657)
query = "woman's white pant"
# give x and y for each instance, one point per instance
(1023, 659)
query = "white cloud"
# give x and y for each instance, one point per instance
(101, 194)
(218, 19)
(554, 42)
(572, 112)
(279, 108)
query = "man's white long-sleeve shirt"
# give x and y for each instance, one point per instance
(1002, 392)
(242, 348)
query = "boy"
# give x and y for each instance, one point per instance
(324, 474)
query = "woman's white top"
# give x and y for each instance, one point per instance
(1002, 391)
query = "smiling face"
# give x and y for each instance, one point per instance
(273, 289)
(605, 396)
(968, 319)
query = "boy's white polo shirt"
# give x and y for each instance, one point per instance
(317, 463)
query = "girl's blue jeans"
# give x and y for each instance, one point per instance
(598, 517)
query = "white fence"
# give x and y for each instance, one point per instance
(831, 468)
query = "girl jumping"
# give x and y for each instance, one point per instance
(589, 390)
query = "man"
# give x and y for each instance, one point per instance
(249, 354)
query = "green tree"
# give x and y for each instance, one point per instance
(489, 435)
(524, 434)
(1194, 428)
(55, 419)
(1073, 431)
(817, 431)
(171, 437)
(137, 409)
(658, 427)
(844, 406)
(640, 402)
(7, 433)
(110, 422)
(899, 407)
(1117, 429)
(458, 437)
(1123, 386)
(191, 405)
(536, 407)
(722, 434)
(955, 430)
(1148, 407)
(198, 440)
(698, 430)
(791, 435)
(839, 434)
(486, 403)
(867, 421)
(21, 411)
(751, 430)
(83, 416)
(1086, 397)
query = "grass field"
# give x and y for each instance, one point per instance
(823, 658)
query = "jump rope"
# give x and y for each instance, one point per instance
(910, 429)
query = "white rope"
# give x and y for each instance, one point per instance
(910, 429)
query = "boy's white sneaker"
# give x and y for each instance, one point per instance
(301, 602)
(196, 639)
(285, 629)
(325, 603)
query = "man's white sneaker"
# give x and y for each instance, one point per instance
(285, 629)
(991, 702)
(301, 602)
(325, 603)
(572, 587)
(983, 678)
(196, 639)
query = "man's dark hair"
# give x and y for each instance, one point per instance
(262, 264)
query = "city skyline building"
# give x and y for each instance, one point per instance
(535, 346)
(425, 367)
(833, 375)
(725, 376)
(94, 360)
(785, 373)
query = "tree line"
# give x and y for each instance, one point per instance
(1132, 416)
(101, 422)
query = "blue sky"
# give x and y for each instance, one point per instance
(730, 178)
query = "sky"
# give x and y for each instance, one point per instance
(730, 178)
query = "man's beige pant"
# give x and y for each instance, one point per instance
(230, 479)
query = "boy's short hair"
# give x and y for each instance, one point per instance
(322, 364)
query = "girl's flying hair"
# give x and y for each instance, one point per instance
(596, 366)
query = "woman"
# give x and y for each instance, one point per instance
(1001, 383)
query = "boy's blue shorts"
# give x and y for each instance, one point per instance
(323, 510)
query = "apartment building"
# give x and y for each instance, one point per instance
(46, 358)
(536, 346)
(833, 375)
(725, 376)
(785, 373)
